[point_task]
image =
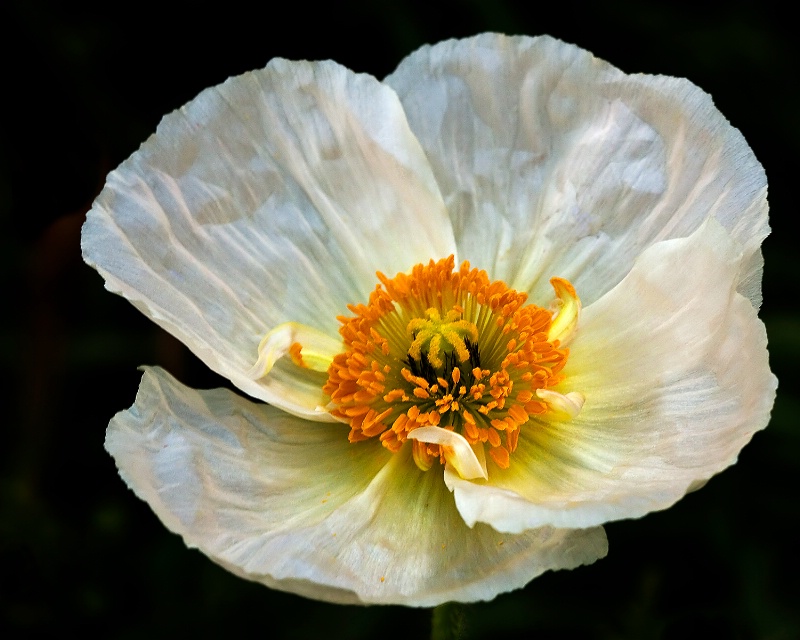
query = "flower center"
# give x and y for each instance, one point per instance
(450, 349)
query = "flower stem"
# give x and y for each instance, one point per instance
(447, 622)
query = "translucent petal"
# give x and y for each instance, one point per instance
(554, 163)
(674, 369)
(293, 505)
(273, 197)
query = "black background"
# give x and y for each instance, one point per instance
(85, 84)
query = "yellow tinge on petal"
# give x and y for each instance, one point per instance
(453, 362)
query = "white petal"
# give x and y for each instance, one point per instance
(554, 163)
(295, 506)
(271, 198)
(674, 369)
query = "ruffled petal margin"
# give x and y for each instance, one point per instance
(553, 162)
(295, 506)
(271, 198)
(674, 368)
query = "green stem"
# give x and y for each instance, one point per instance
(447, 622)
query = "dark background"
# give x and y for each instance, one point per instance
(84, 85)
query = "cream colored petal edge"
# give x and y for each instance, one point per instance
(674, 368)
(555, 163)
(273, 197)
(295, 506)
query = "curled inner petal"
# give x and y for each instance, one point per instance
(307, 347)
(568, 312)
(569, 404)
(455, 449)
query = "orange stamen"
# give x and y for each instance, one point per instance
(444, 347)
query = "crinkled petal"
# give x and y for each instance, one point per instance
(554, 163)
(294, 505)
(674, 369)
(273, 197)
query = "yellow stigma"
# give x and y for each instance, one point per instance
(434, 336)
(448, 348)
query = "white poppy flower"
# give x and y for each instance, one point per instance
(443, 433)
